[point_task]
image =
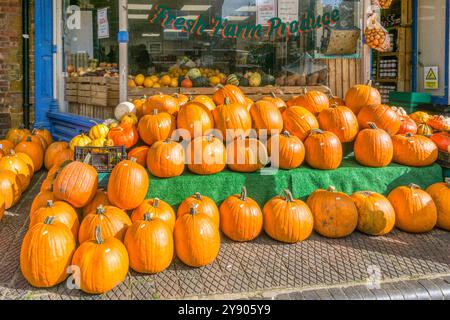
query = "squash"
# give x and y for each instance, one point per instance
(203, 204)
(299, 122)
(286, 151)
(80, 140)
(323, 150)
(195, 118)
(33, 150)
(206, 155)
(341, 121)
(123, 108)
(414, 150)
(129, 119)
(313, 101)
(424, 130)
(233, 79)
(255, 79)
(246, 155)
(98, 131)
(360, 96)
(156, 127)
(162, 103)
(166, 159)
(100, 198)
(232, 119)
(194, 73)
(200, 82)
(373, 147)
(382, 115)
(420, 117)
(440, 192)
(158, 209)
(266, 116)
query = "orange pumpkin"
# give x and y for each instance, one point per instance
(100, 198)
(360, 96)
(162, 103)
(53, 151)
(33, 150)
(277, 101)
(267, 116)
(290, 151)
(9, 188)
(45, 134)
(440, 192)
(442, 141)
(139, 104)
(166, 159)
(203, 204)
(407, 125)
(140, 154)
(246, 155)
(27, 159)
(373, 147)
(124, 135)
(299, 122)
(414, 150)
(382, 115)
(186, 83)
(206, 155)
(195, 118)
(41, 200)
(313, 101)
(6, 146)
(15, 135)
(156, 127)
(233, 93)
(334, 100)
(63, 156)
(18, 166)
(232, 119)
(36, 139)
(341, 121)
(158, 209)
(206, 101)
(182, 98)
(323, 150)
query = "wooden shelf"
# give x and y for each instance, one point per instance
(385, 80)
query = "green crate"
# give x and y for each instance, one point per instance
(410, 98)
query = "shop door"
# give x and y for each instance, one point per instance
(432, 65)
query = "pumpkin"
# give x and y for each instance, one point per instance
(246, 155)
(61, 211)
(376, 216)
(341, 121)
(98, 131)
(442, 141)
(382, 115)
(255, 79)
(232, 92)
(46, 253)
(414, 150)
(232, 119)
(335, 214)
(140, 154)
(10, 188)
(420, 117)
(407, 125)
(241, 218)
(102, 263)
(360, 96)
(129, 119)
(287, 219)
(156, 127)
(127, 185)
(63, 156)
(33, 150)
(186, 83)
(415, 210)
(36, 139)
(41, 200)
(299, 122)
(76, 183)
(52, 152)
(206, 101)
(288, 152)
(439, 123)
(6, 146)
(16, 135)
(123, 108)
(323, 150)
(158, 209)
(102, 142)
(166, 159)
(203, 204)
(206, 155)
(182, 98)
(195, 118)
(373, 147)
(80, 140)
(162, 103)
(267, 116)
(124, 135)
(197, 238)
(335, 100)
(313, 101)
(440, 192)
(18, 166)
(100, 198)
(45, 134)
(277, 101)
(139, 105)
(424, 130)
(47, 184)
(250, 103)
(114, 223)
(27, 159)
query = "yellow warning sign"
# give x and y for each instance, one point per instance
(431, 75)
(431, 78)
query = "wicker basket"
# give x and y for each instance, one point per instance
(444, 159)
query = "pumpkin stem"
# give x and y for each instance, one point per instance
(334, 105)
(198, 196)
(133, 159)
(98, 235)
(193, 209)
(331, 189)
(273, 94)
(220, 86)
(447, 181)
(155, 112)
(100, 209)
(155, 203)
(148, 216)
(372, 125)
(367, 193)
(409, 135)
(28, 139)
(87, 159)
(414, 186)
(209, 137)
(317, 131)
(286, 134)
(226, 101)
(369, 83)
(49, 203)
(49, 220)
(288, 195)
(243, 194)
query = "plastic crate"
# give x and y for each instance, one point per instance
(443, 159)
(103, 159)
(410, 98)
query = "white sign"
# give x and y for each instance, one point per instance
(103, 24)
(288, 10)
(265, 10)
(431, 78)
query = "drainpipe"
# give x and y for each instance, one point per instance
(25, 65)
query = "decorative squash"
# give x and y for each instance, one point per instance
(195, 118)
(129, 119)
(382, 115)
(439, 123)
(103, 264)
(323, 150)
(45, 134)
(290, 151)
(158, 209)
(162, 103)
(424, 130)
(98, 131)
(266, 115)
(313, 101)
(232, 119)
(33, 150)
(203, 204)
(114, 223)
(128, 184)
(124, 135)
(299, 122)
(18, 166)
(287, 219)
(46, 253)
(232, 92)
(277, 101)
(81, 140)
(63, 156)
(246, 155)
(420, 117)
(373, 147)
(52, 152)
(341, 121)
(442, 141)
(206, 155)
(407, 125)
(206, 101)
(15, 135)
(360, 96)
(149, 243)
(376, 216)
(10, 189)
(197, 238)
(61, 212)
(76, 183)
(123, 108)
(100, 199)
(440, 192)
(166, 159)
(335, 214)
(41, 200)
(414, 150)
(140, 154)
(156, 127)
(6, 146)
(415, 210)
(241, 218)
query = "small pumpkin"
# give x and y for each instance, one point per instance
(382, 115)
(98, 131)
(41, 200)
(323, 150)
(206, 101)
(206, 155)
(424, 130)
(313, 101)
(10, 188)
(420, 117)
(63, 156)
(182, 98)
(290, 151)
(158, 209)
(415, 210)
(139, 105)
(129, 119)
(440, 192)
(6, 146)
(277, 101)
(100, 198)
(232, 119)
(162, 103)
(442, 141)
(166, 159)
(15, 135)
(287, 219)
(360, 96)
(156, 127)
(414, 150)
(27, 159)
(36, 139)
(33, 150)
(195, 118)
(246, 155)
(52, 152)
(299, 122)
(124, 135)
(232, 92)
(80, 140)
(203, 204)
(45, 134)
(373, 147)
(140, 154)
(341, 121)
(267, 116)
(18, 166)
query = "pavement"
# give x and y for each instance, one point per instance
(396, 266)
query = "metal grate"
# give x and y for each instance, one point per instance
(103, 159)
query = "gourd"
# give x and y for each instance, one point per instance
(166, 159)
(360, 96)
(203, 204)
(206, 155)
(440, 193)
(156, 127)
(291, 151)
(323, 150)
(373, 147)
(158, 209)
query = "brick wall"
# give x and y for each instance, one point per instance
(11, 85)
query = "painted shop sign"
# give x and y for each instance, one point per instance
(220, 27)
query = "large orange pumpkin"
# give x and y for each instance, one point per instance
(267, 116)
(45, 134)
(341, 121)
(323, 150)
(10, 188)
(299, 122)
(53, 151)
(15, 164)
(232, 119)
(41, 200)
(229, 92)
(124, 135)
(140, 154)
(203, 204)
(440, 192)
(414, 150)
(206, 101)
(415, 210)
(246, 155)
(100, 198)
(158, 209)
(335, 214)
(33, 150)
(291, 151)
(196, 118)
(166, 159)
(382, 115)
(206, 155)
(287, 219)
(313, 101)
(360, 96)
(162, 103)
(127, 185)
(157, 126)
(373, 147)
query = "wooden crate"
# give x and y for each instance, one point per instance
(343, 74)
